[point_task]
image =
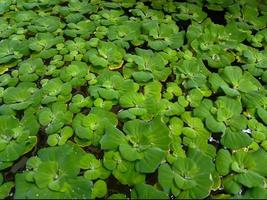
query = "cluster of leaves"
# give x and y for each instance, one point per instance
(134, 99)
(55, 173)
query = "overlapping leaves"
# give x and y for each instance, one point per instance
(167, 98)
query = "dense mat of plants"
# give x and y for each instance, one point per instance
(133, 99)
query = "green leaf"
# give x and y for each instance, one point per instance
(145, 191)
(45, 116)
(150, 161)
(235, 139)
(256, 193)
(232, 75)
(231, 186)
(250, 179)
(142, 76)
(127, 174)
(129, 153)
(165, 177)
(46, 174)
(227, 108)
(223, 162)
(5, 189)
(262, 114)
(112, 139)
(99, 189)
(52, 140)
(214, 125)
(117, 196)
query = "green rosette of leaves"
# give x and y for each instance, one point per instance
(75, 73)
(188, 11)
(23, 96)
(55, 90)
(146, 64)
(55, 173)
(125, 33)
(225, 117)
(242, 169)
(105, 55)
(54, 117)
(161, 34)
(145, 105)
(212, 42)
(82, 29)
(191, 72)
(15, 140)
(144, 143)
(189, 177)
(109, 86)
(122, 169)
(234, 82)
(44, 44)
(90, 128)
(12, 50)
(31, 70)
(194, 134)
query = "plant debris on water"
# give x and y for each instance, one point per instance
(149, 99)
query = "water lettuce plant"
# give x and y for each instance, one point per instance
(54, 173)
(188, 177)
(144, 143)
(15, 140)
(119, 99)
